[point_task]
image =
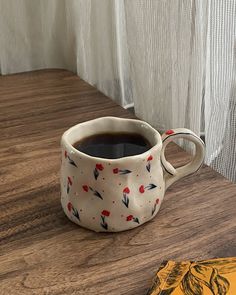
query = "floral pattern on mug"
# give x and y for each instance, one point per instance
(72, 162)
(148, 166)
(104, 214)
(121, 171)
(72, 209)
(125, 199)
(98, 167)
(86, 188)
(116, 195)
(148, 187)
(155, 205)
(132, 218)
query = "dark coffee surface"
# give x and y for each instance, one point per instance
(113, 145)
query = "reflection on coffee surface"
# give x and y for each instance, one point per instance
(113, 145)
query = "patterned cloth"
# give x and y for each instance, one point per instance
(207, 277)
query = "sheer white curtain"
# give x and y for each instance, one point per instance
(220, 91)
(174, 59)
(84, 36)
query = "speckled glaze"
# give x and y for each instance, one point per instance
(119, 194)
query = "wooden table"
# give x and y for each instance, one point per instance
(41, 251)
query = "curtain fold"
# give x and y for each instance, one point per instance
(166, 40)
(220, 96)
(173, 59)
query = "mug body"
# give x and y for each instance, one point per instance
(111, 194)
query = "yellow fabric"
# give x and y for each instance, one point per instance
(208, 277)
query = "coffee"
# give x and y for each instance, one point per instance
(113, 145)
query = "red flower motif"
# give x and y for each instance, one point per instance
(69, 206)
(168, 132)
(126, 190)
(129, 218)
(115, 171)
(150, 158)
(69, 180)
(85, 188)
(141, 189)
(157, 201)
(99, 167)
(105, 213)
(65, 154)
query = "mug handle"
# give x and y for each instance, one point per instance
(171, 174)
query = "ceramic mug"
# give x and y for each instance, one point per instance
(113, 195)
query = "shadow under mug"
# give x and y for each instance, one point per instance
(97, 194)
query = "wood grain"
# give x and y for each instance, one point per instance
(41, 251)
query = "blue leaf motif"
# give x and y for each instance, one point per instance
(125, 201)
(136, 220)
(125, 171)
(151, 186)
(76, 213)
(104, 225)
(97, 194)
(148, 166)
(96, 173)
(71, 162)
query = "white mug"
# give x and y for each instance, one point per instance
(112, 195)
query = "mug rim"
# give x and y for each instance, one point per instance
(156, 146)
